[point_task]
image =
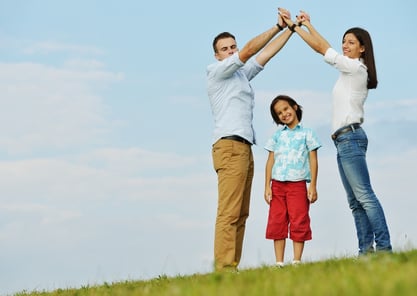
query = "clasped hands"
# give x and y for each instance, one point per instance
(284, 17)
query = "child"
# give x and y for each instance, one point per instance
(292, 162)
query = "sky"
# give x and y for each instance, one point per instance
(106, 131)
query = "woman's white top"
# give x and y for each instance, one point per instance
(350, 90)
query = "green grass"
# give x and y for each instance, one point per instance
(378, 274)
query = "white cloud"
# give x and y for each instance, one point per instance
(83, 64)
(103, 174)
(389, 110)
(44, 106)
(48, 47)
(137, 161)
(80, 210)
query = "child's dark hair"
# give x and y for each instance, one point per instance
(291, 102)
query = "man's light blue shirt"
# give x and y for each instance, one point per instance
(291, 149)
(232, 97)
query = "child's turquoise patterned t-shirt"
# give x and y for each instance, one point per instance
(291, 149)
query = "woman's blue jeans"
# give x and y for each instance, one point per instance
(367, 211)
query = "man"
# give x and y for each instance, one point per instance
(232, 100)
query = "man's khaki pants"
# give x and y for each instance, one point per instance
(233, 163)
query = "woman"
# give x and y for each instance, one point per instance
(357, 75)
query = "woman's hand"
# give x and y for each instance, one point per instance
(303, 17)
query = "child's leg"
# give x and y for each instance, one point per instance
(298, 208)
(279, 247)
(298, 250)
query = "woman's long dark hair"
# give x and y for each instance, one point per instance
(291, 102)
(368, 55)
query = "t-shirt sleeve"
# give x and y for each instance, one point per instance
(225, 68)
(330, 56)
(252, 68)
(313, 142)
(270, 144)
(341, 62)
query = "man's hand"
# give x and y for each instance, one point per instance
(282, 14)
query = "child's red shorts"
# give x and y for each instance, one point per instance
(288, 212)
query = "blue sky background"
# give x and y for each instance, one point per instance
(105, 134)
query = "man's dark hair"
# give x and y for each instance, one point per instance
(221, 36)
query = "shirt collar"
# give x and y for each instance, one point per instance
(298, 126)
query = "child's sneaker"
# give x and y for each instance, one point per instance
(279, 264)
(296, 262)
